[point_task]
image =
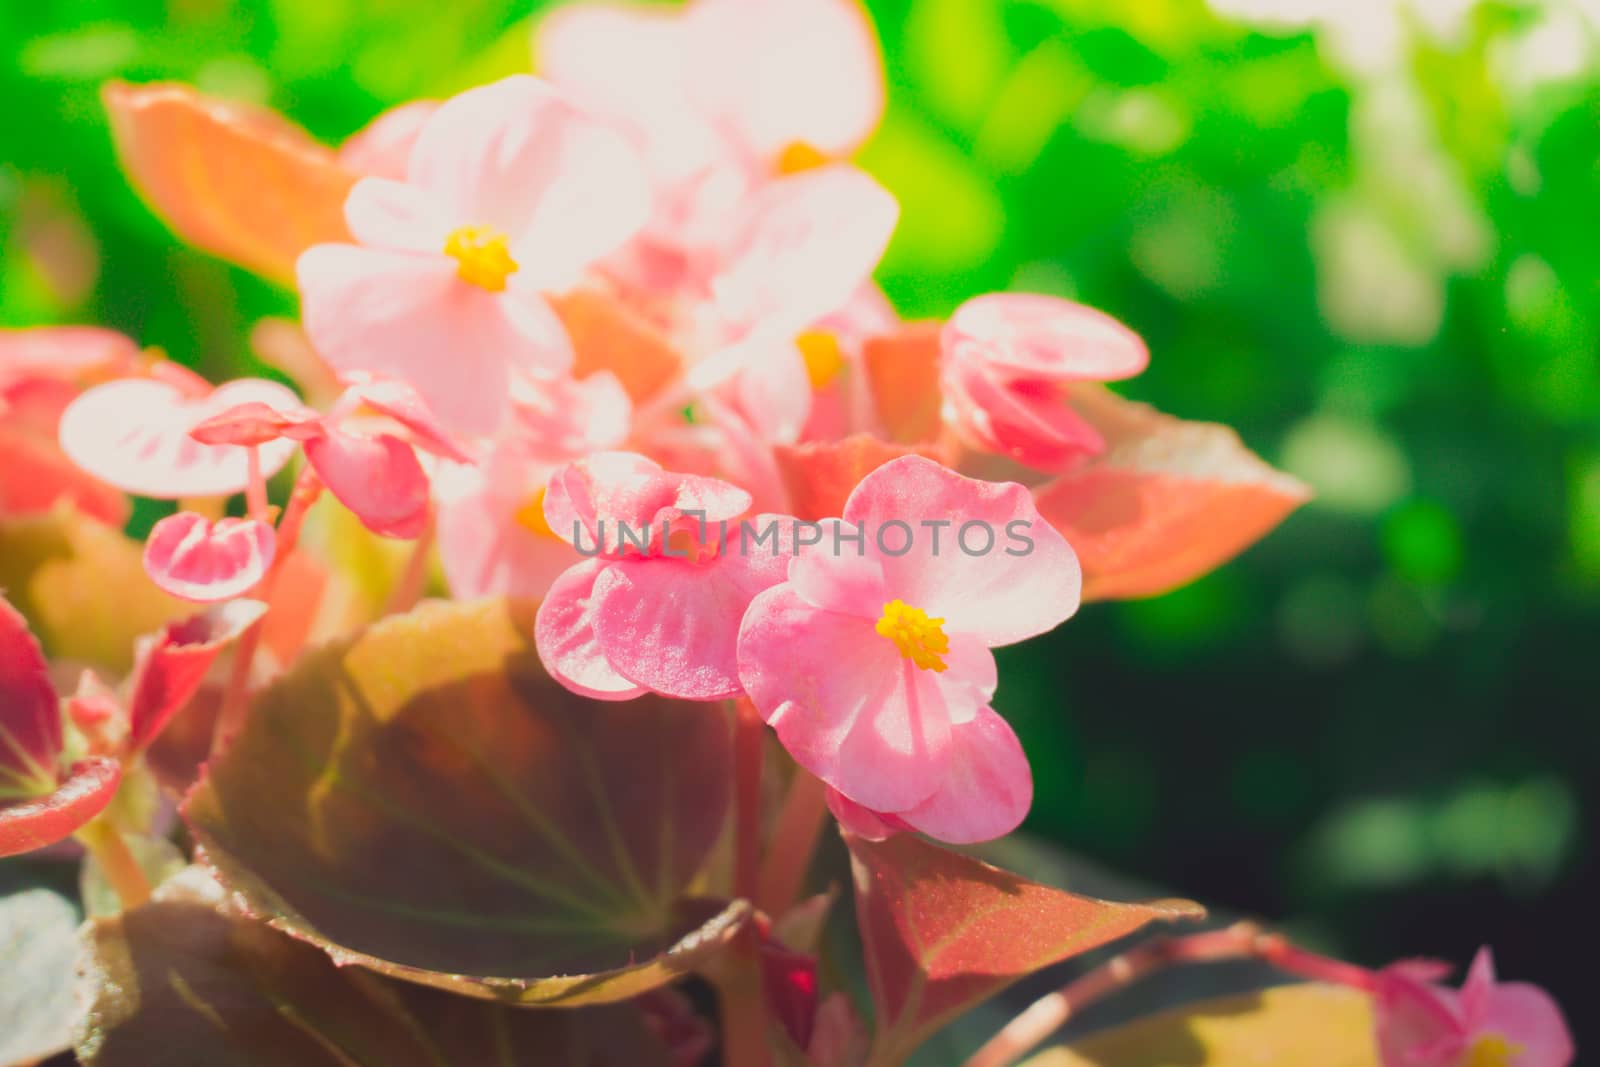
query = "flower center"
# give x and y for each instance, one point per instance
(483, 256)
(1491, 1050)
(530, 516)
(824, 361)
(800, 156)
(919, 638)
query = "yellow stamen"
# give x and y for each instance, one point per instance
(919, 638)
(800, 156)
(824, 361)
(484, 257)
(530, 516)
(1491, 1050)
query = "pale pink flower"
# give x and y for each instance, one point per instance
(510, 193)
(1006, 360)
(133, 433)
(875, 667)
(658, 606)
(493, 538)
(191, 557)
(1486, 1024)
(382, 148)
(777, 82)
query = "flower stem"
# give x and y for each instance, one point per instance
(104, 842)
(794, 840)
(236, 698)
(408, 587)
(747, 755)
(1242, 940)
(739, 985)
(255, 493)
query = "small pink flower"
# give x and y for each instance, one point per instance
(509, 193)
(1486, 1024)
(363, 450)
(193, 558)
(1006, 360)
(493, 538)
(658, 606)
(134, 434)
(873, 663)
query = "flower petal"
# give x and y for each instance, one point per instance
(788, 71)
(389, 214)
(996, 570)
(672, 626)
(839, 697)
(192, 558)
(377, 477)
(134, 434)
(565, 639)
(806, 245)
(987, 786)
(382, 147)
(517, 156)
(1031, 335)
(410, 317)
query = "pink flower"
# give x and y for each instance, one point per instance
(191, 557)
(873, 663)
(363, 450)
(134, 434)
(658, 605)
(382, 148)
(778, 82)
(1486, 1024)
(493, 538)
(509, 193)
(1006, 360)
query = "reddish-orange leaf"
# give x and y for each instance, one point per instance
(820, 474)
(606, 335)
(1166, 502)
(903, 371)
(942, 932)
(237, 181)
(32, 824)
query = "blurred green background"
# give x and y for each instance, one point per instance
(1366, 236)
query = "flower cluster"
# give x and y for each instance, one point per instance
(607, 342)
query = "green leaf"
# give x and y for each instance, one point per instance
(1306, 1025)
(943, 932)
(424, 800)
(176, 983)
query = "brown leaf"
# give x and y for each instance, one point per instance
(424, 800)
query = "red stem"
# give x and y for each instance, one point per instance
(747, 753)
(409, 585)
(1242, 940)
(235, 699)
(794, 840)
